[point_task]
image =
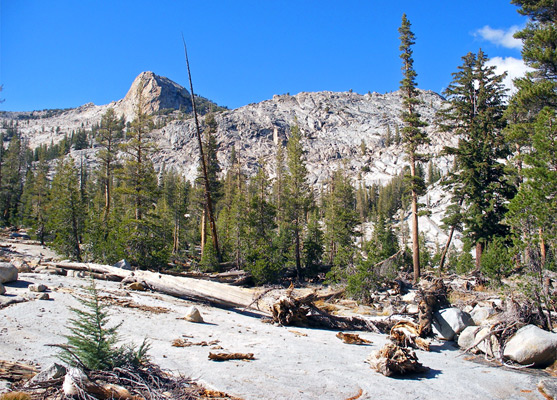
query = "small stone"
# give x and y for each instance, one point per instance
(43, 296)
(193, 315)
(37, 287)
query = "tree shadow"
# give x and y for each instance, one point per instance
(446, 345)
(21, 284)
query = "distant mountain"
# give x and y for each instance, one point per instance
(349, 130)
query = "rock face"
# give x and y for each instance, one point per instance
(532, 345)
(8, 272)
(339, 130)
(156, 93)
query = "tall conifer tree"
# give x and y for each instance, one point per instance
(413, 135)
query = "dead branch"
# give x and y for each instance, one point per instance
(230, 356)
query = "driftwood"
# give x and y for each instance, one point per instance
(215, 293)
(395, 360)
(230, 356)
(407, 334)
(14, 371)
(352, 338)
(291, 311)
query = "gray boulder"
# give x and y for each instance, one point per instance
(480, 314)
(53, 371)
(449, 322)
(8, 272)
(123, 264)
(486, 343)
(532, 345)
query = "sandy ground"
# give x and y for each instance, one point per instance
(290, 363)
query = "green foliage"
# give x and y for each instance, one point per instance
(92, 343)
(498, 260)
(67, 212)
(481, 184)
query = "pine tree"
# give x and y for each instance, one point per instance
(67, 212)
(481, 183)
(13, 171)
(297, 197)
(413, 136)
(92, 344)
(37, 198)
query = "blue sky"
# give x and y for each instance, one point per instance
(65, 53)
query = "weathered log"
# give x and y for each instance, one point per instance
(230, 356)
(215, 293)
(431, 299)
(14, 371)
(395, 360)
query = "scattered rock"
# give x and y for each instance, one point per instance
(22, 266)
(532, 345)
(193, 315)
(468, 337)
(8, 272)
(2, 289)
(410, 297)
(548, 388)
(53, 371)
(6, 301)
(43, 296)
(449, 322)
(37, 287)
(123, 264)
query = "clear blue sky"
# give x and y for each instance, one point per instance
(65, 53)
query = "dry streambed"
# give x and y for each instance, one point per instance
(286, 362)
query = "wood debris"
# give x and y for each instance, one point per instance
(131, 304)
(187, 343)
(297, 333)
(14, 371)
(352, 338)
(407, 334)
(230, 356)
(302, 311)
(356, 396)
(395, 360)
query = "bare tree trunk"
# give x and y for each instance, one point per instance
(445, 249)
(415, 233)
(203, 232)
(543, 250)
(479, 250)
(209, 203)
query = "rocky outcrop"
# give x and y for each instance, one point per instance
(156, 92)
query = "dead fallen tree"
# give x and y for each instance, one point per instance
(215, 293)
(292, 311)
(14, 371)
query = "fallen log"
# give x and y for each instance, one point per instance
(395, 360)
(215, 293)
(14, 371)
(230, 356)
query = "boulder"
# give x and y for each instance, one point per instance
(37, 287)
(123, 264)
(474, 334)
(410, 297)
(480, 314)
(193, 315)
(53, 371)
(2, 289)
(8, 272)
(22, 266)
(449, 322)
(532, 345)
(43, 296)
